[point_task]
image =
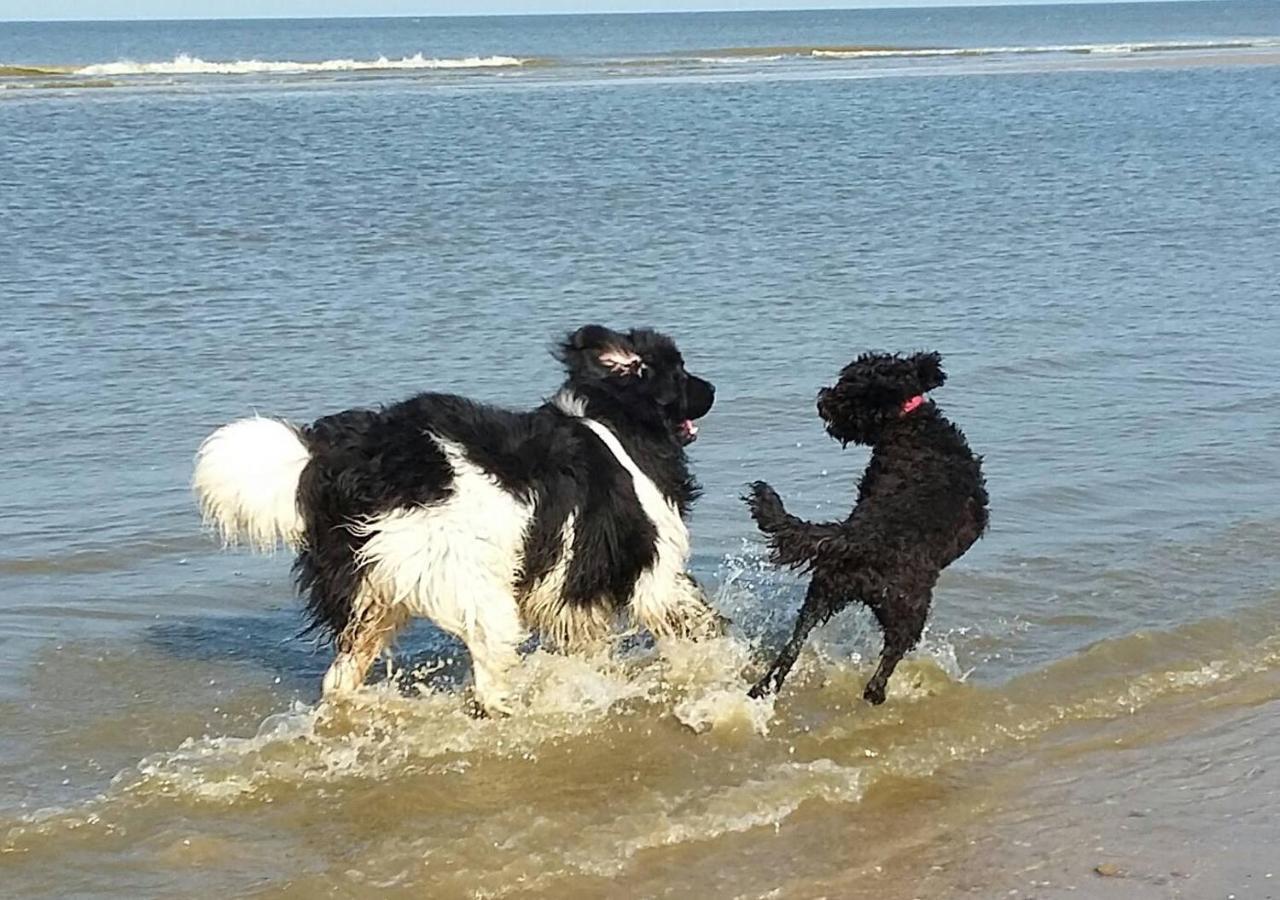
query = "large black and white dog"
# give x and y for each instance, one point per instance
(487, 522)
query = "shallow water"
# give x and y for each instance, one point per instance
(1088, 237)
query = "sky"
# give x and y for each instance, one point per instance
(16, 10)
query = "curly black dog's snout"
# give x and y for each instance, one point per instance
(823, 404)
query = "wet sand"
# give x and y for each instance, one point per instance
(1179, 801)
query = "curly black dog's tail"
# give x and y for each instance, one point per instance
(767, 508)
(792, 541)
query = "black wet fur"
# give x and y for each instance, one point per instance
(367, 462)
(922, 502)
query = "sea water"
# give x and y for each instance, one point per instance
(1079, 207)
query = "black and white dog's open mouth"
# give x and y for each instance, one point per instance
(687, 432)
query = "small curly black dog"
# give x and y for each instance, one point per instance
(922, 502)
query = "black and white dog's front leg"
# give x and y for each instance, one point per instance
(707, 621)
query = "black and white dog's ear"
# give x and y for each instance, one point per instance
(596, 351)
(929, 371)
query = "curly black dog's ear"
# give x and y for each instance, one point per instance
(594, 351)
(929, 371)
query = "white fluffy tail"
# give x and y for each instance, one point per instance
(246, 482)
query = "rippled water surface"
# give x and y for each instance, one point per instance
(1077, 207)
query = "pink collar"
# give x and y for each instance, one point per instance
(913, 404)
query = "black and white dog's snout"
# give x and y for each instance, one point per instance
(699, 395)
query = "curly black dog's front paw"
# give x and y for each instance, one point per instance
(765, 687)
(874, 692)
(766, 507)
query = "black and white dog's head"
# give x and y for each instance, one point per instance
(640, 374)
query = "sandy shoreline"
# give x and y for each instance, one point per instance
(979, 63)
(1223, 58)
(1180, 801)
(1196, 814)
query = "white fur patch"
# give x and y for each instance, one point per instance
(344, 676)
(246, 481)
(455, 563)
(620, 360)
(437, 560)
(570, 404)
(660, 600)
(563, 624)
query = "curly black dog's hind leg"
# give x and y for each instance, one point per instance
(903, 625)
(814, 612)
(792, 541)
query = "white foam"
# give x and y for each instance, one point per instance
(738, 59)
(184, 64)
(707, 813)
(381, 730)
(1122, 48)
(378, 731)
(708, 678)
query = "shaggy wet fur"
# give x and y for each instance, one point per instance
(922, 503)
(563, 519)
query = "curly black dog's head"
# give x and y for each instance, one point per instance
(874, 389)
(642, 372)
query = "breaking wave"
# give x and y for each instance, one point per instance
(766, 56)
(753, 765)
(184, 64)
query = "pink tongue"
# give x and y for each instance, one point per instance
(689, 428)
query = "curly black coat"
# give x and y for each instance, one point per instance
(922, 503)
